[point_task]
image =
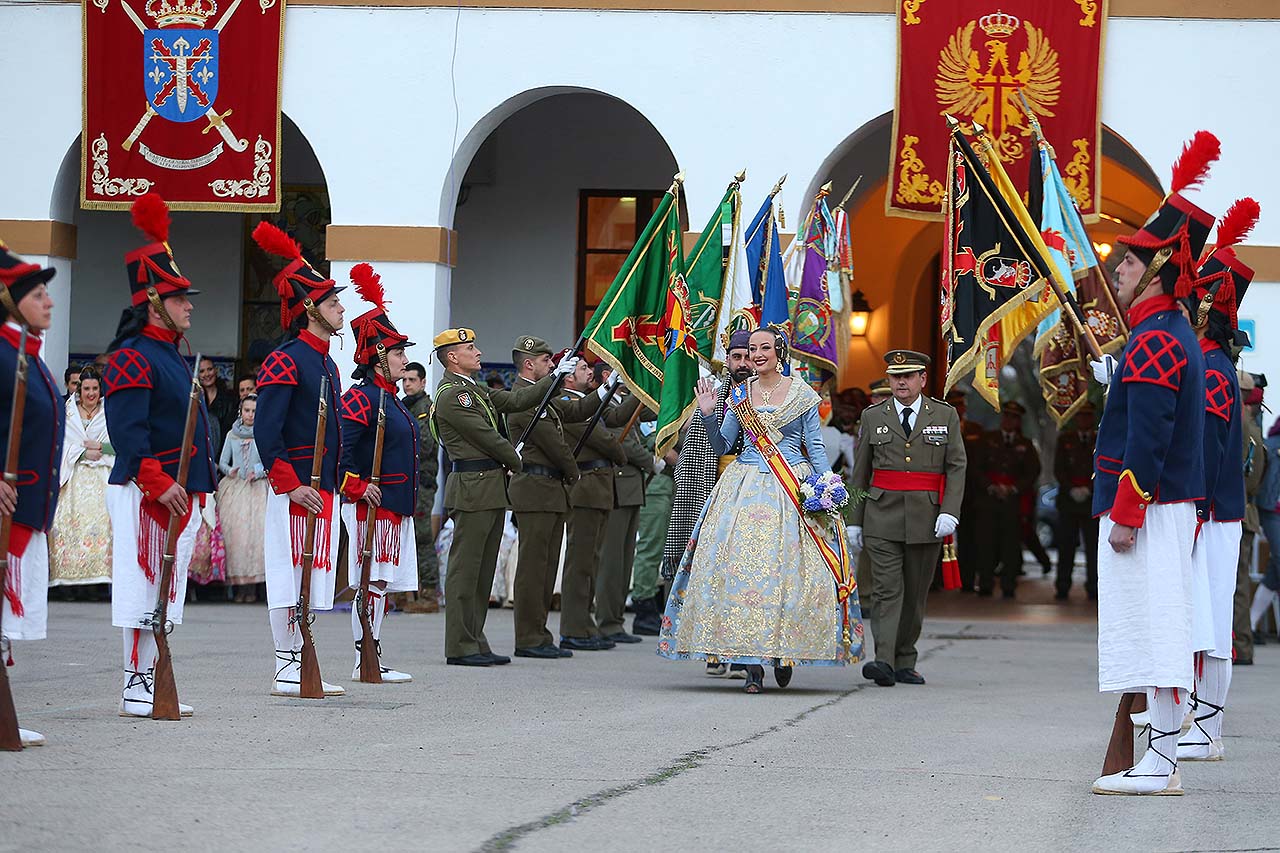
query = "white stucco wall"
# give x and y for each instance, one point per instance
(374, 91)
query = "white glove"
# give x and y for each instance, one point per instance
(854, 534)
(945, 525)
(1103, 369)
(659, 465)
(605, 387)
(566, 366)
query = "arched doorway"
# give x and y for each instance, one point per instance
(896, 260)
(548, 202)
(236, 318)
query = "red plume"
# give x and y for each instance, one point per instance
(151, 216)
(1238, 221)
(1192, 166)
(276, 242)
(369, 285)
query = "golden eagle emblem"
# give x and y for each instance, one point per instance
(985, 89)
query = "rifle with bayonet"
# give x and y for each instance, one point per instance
(311, 687)
(10, 737)
(165, 689)
(370, 668)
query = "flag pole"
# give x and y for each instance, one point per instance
(1066, 299)
(1038, 131)
(848, 195)
(674, 189)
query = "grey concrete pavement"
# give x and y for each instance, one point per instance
(615, 750)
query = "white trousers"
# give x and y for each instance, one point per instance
(1221, 540)
(1145, 603)
(395, 552)
(133, 595)
(28, 577)
(284, 579)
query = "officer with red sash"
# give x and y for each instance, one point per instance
(1148, 475)
(910, 460)
(148, 391)
(285, 433)
(32, 500)
(1213, 306)
(380, 364)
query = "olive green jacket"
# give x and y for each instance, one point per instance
(629, 479)
(465, 416)
(935, 445)
(548, 448)
(1256, 466)
(594, 488)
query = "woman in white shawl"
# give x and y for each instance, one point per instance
(242, 504)
(80, 542)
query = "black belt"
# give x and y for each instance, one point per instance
(464, 466)
(594, 464)
(543, 471)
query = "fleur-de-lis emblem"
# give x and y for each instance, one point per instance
(157, 74)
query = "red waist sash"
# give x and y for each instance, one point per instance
(909, 481)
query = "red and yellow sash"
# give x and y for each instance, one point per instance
(835, 555)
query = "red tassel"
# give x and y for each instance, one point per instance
(13, 587)
(151, 538)
(298, 531)
(275, 242)
(950, 564)
(1192, 166)
(133, 656)
(151, 216)
(369, 285)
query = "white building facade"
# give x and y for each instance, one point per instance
(457, 147)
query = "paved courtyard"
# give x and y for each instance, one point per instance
(611, 750)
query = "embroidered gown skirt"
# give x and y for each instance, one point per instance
(242, 508)
(80, 540)
(752, 587)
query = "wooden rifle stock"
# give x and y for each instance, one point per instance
(312, 687)
(1120, 748)
(165, 688)
(10, 738)
(370, 667)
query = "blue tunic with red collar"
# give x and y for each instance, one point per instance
(43, 427)
(399, 449)
(1150, 439)
(1223, 437)
(284, 428)
(148, 389)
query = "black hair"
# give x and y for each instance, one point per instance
(295, 328)
(66, 374)
(243, 376)
(780, 343)
(598, 369)
(132, 321)
(422, 371)
(89, 372)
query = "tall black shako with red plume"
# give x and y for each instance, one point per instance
(1174, 236)
(298, 284)
(19, 277)
(373, 327)
(152, 270)
(1223, 277)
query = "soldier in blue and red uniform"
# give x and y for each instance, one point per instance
(285, 433)
(380, 364)
(32, 500)
(148, 391)
(1213, 306)
(1148, 475)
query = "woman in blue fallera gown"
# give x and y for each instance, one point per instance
(753, 586)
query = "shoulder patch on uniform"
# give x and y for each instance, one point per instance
(464, 399)
(1155, 357)
(1218, 396)
(127, 368)
(278, 369)
(356, 406)
(943, 403)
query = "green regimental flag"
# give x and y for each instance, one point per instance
(704, 272)
(641, 327)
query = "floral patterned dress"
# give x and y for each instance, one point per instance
(752, 587)
(80, 540)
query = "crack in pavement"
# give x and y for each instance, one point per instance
(508, 838)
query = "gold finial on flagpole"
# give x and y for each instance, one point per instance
(740, 177)
(952, 123)
(849, 194)
(676, 182)
(777, 188)
(824, 191)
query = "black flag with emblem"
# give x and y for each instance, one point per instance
(993, 276)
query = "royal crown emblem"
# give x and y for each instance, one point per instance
(999, 24)
(183, 12)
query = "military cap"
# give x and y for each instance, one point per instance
(1012, 407)
(531, 345)
(19, 277)
(558, 357)
(449, 337)
(905, 361)
(880, 387)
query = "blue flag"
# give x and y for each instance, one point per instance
(764, 260)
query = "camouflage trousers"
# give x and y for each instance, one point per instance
(428, 563)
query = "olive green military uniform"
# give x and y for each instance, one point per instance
(591, 501)
(1073, 469)
(540, 499)
(1007, 472)
(1255, 464)
(897, 525)
(655, 517)
(613, 579)
(419, 405)
(967, 550)
(466, 416)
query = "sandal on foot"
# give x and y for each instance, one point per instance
(755, 680)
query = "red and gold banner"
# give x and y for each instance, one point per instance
(970, 58)
(182, 97)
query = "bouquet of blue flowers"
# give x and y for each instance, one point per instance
(824, 494)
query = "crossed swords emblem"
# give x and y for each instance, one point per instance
(183, 65)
